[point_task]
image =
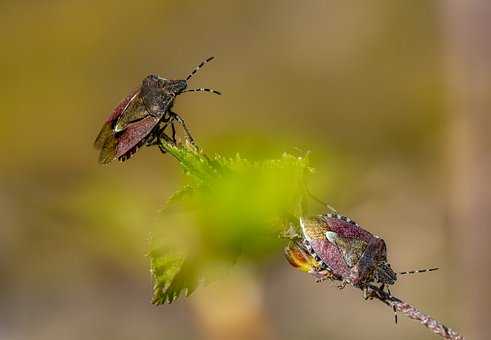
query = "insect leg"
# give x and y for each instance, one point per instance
(154, 136)
(393, 307)
(163, 137)
(158, 135)
(366, 295)
(343, 284)
(181, 121)
(152, 140)
(173, 132)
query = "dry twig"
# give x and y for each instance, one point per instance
(412, 312)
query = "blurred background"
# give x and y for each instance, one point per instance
(391, 97)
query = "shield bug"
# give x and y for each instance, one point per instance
(143, 116)
(341, 250)
(334, 247)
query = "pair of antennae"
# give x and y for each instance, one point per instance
(196, 69)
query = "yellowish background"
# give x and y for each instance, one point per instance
(372, 88)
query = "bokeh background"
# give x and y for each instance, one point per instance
(391, 97)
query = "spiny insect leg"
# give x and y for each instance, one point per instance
(368, 293)
(157, 135)
(160, 136)
(163, 137)
(343, 284)
(181, 121)
(366, 296)
(322, 275)
(154, 136)
(173, 131)
(161, 148)
(393, 307)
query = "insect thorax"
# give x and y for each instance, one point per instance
(373, 265)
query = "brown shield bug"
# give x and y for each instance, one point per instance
(352, 254)
(142, 117)
(334, 247)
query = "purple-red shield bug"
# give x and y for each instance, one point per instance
(340, 246)
(334, 247)
(142, 117)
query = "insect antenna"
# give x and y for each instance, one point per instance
(203, 90)
(318, 200)
(198, 67)
(418, 271)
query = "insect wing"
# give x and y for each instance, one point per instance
(314, 230)
(108, 148)
(135, 111)
(134, 134)
(127, 126)
(106, 131)
(118, 110)
(346, 228)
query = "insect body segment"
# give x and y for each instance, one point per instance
(142, 117)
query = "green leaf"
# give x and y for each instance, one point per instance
(232, 207)
(172, 275)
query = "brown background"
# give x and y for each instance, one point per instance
(390, 96)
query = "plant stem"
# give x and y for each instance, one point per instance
(413, 313)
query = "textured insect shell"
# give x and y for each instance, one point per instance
(137, 122)
(134, 135)
(314, 230)
(118, 110)
(122, 144)
(375, 253)
(106, 135)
